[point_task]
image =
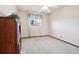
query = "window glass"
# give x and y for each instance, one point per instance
(35, 20)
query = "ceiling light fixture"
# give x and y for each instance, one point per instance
(45, 9)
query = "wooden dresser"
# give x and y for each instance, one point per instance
(10, 41)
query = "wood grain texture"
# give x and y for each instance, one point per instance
(8, 36)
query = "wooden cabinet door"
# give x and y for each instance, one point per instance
(2, 36)
(11, 36)
(8, 36)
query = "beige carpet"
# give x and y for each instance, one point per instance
(46, 45)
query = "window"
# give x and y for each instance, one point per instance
(35, 20)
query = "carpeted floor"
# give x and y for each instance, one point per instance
(46, 45)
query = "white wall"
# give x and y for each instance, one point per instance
(6, 10)
(24, 24)
(27, 31)
(65, 24)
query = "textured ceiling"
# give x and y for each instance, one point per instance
(36, 8)
(6, 10)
